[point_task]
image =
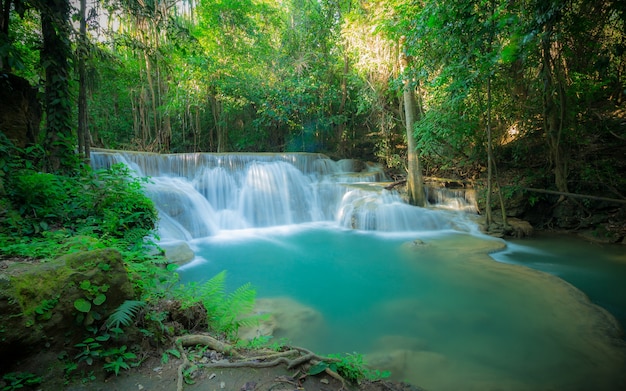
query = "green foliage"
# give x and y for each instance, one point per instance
(255, 343)
(351, 367)
(43, 310)
(118, 358)
(108, 206)
(89, 349)
(225, 311)
(124, 314)
(169, 352)
(17, 380)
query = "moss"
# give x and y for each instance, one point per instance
(38, 283)
(37, 300)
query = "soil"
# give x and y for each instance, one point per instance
(154, 375)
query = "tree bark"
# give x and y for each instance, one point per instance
(83, 132)
(554, 104)
(415, 181)
(55, 29)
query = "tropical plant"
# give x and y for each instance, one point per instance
(19, 380)
(226, 312)
(124, 314)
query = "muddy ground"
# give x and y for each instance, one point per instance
(154, 375)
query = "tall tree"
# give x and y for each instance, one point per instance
(83, 130)
(55, 60)
(415, 181)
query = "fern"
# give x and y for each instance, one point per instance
(224, 311)
(123, 315)
(237, 304)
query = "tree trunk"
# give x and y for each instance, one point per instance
(220, 127)
(56, 51)
(554, 105)
(415, 182)
(83, 135)
(488, 213)
(4, 31)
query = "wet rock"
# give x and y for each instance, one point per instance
(178, 252)
(284, 318)
(519, 228)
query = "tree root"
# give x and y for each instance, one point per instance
(278, 358)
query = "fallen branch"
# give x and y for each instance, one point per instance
(561, 193)
(397, 183)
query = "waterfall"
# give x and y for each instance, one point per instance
(200, 194)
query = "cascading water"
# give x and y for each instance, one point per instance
(335, 260)
(198, 195)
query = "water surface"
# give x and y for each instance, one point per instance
(438, 313)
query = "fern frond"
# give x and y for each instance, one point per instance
(241, 301)
(211, 293)
(213, 287)
(123, 315)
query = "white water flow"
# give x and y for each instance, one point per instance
(335, 261)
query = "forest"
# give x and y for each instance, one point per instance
(533, 87)
(523, 100)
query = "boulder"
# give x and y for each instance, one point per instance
(178, 252)
(46, 304)
(286, 318)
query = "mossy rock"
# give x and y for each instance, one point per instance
(38, 300)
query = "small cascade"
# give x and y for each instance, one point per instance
(200, 194)
(457, 199)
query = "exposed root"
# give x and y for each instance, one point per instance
(302, 356)
(336, 376)
(208, 341)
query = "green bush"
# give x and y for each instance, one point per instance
(108, 205)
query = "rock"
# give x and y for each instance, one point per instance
(351, 165)
(37, 300)
(519, 228)
(285, 318)
(600, 235)
(178, 252)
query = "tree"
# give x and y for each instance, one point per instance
(415, 181)
(83, 129)
(55, 60)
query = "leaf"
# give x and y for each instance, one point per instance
(82, 305)
(122, 316)
(173, 352)
(99, 299)
(318, 368)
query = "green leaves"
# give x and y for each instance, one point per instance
(124, 314)
(225, 312)
(82, 305)
(350, 366)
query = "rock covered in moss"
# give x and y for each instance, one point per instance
(51, 303)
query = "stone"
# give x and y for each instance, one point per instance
(519, 228)
(37, 299)
(286, 318)
(178, 252)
